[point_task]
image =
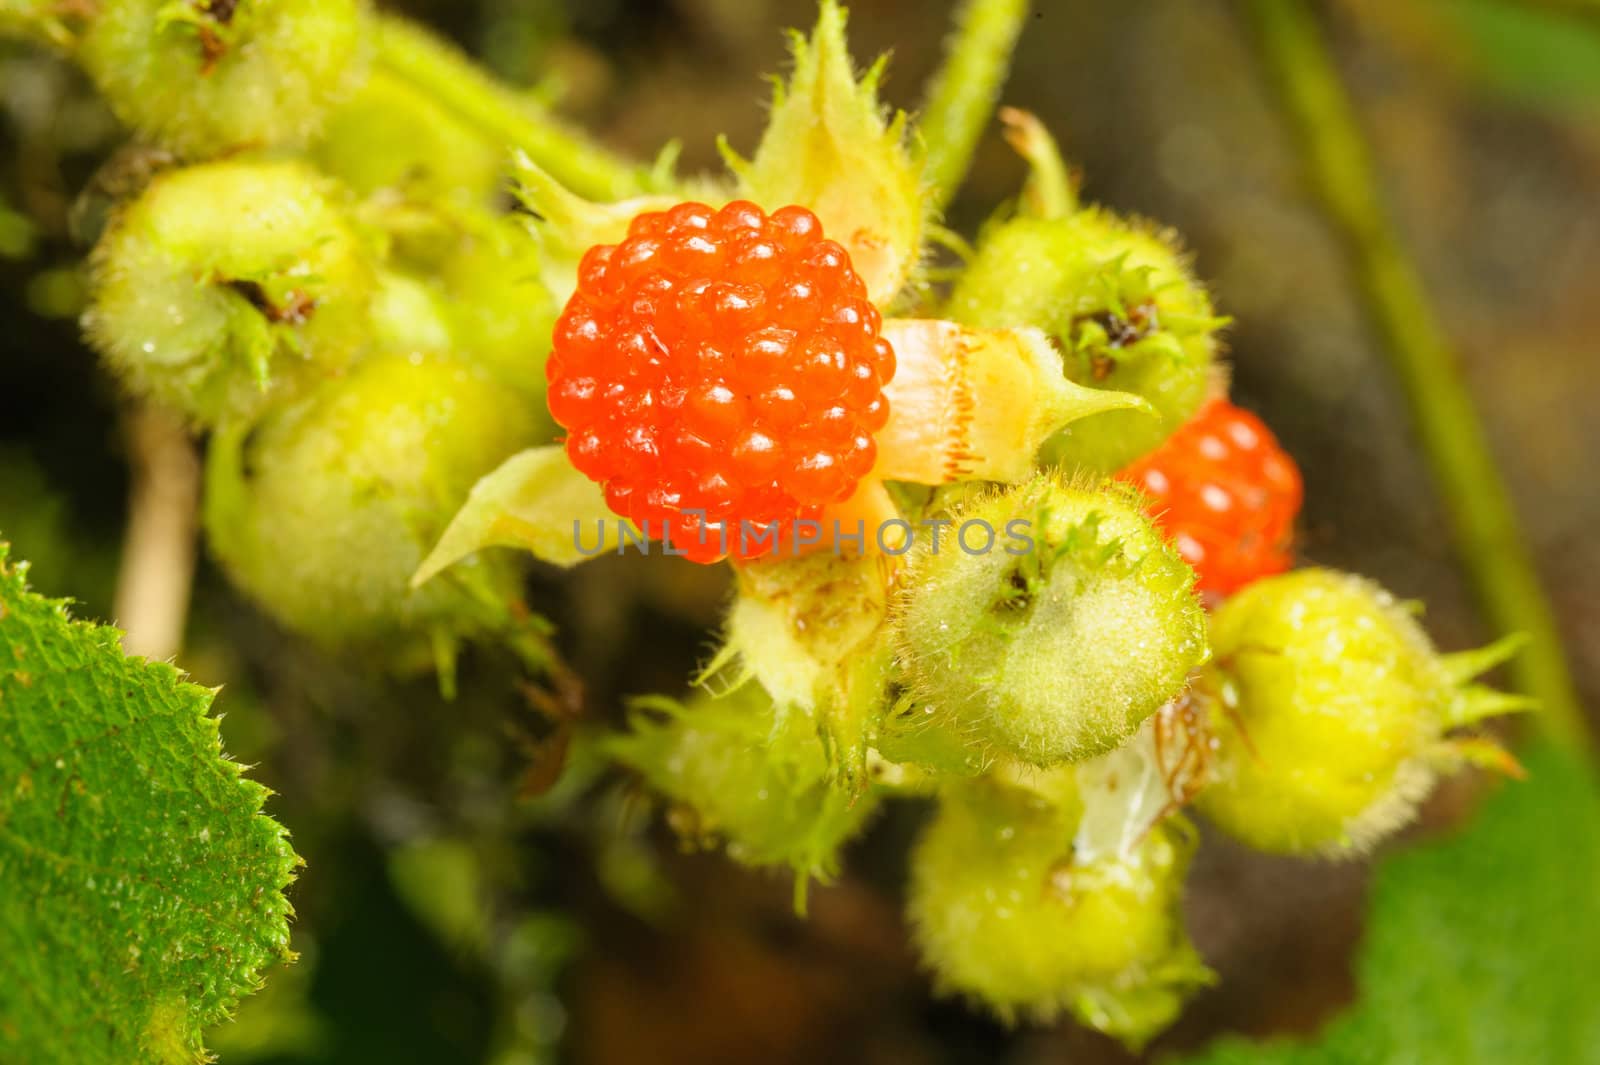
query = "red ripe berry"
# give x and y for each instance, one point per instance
(725, 362)
(1227, 494)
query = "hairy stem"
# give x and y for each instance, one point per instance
(963, 93)
(158, 553)
(456, 83)
(1486, 528)
(1050, 191)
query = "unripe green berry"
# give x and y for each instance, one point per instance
(740, 771)
(1003, 913)
(1056, 643)
(1329, 704)
(1119, 299)
(205, 76)
(322, 509)
(223, 280)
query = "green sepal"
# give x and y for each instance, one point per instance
(566, 225)
(828, 146)
(812, 632)
(536, 501)
(1462, 666)
(744, 773)
(978, 404)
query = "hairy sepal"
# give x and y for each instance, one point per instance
(977, 404)
(812, 631)
(535, 501)
(566, 225)
(741, 772)
(828, 146)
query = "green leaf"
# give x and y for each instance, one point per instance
(1532, 55)
(1481, 949)
(141, 886)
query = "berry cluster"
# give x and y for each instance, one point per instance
(720, 367)
(1227, 493)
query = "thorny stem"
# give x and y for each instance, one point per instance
(1486, 528)
(963, 92)
(456, 83)
(158, 553)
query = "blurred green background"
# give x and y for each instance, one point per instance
(443, 919)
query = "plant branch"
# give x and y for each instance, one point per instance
(1315, 103)
(455, 82)
(158, 552)
(963, 92)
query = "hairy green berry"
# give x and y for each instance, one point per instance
(1053, 644)
(1120, 301)
(323, 508)
(741, 771)
(912, 732)
(1003, 913)
(223, 280)
(205, 76)
(1330, 704)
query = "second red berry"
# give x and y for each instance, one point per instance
(1227, 494)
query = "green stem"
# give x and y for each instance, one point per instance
(1050, 191)
(1474, 494)
(963, 93)
(456, 83)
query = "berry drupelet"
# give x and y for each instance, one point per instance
(720, 367)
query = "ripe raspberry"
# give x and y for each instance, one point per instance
(1227, 494)
(720, 361)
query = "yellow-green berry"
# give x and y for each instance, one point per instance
(1004, 914)
(322, 509)
(205, 76)
(1330, 705)
(223, 282)
(1120, 301)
